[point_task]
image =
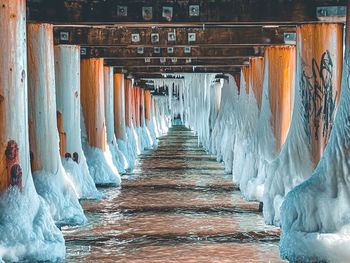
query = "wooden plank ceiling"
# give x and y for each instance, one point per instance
(147, 37)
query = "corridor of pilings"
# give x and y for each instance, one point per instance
(99, 164)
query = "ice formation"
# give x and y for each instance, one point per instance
(100, 163)
(315, 215)
(27, 230)
(67, 78)
(50, 178)
(304, 145)
(118, 156)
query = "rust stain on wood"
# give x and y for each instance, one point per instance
(245, 71)
(281, 67)
(61, 134)
(256, 78)
(119, 106)
(127, 92)
(92, 101)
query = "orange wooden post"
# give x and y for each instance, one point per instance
(148, 106)
(128, 104)
(256, 77)
(119, 107)
(320, 56)
(246, 73)
(14, 152)
(137, 106)
(142, 108)
(280, 63)
(61, 133)
(92, 101)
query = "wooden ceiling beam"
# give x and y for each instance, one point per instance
(174, 62)
(130, 11)
(195, 52)
(123, 37)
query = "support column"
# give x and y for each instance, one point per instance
(67, 76)
(43, 240)
(319, 63)
(142, 108)
(148, 102)
(256, 77)
(98, 154)
(14, 161)
(49, 174)
(109, 103)
(137, 107)
(119, 107)
(92, 100)
(315, 214)
(245, 75)
(110, 113)
(320, 59)
(128, 104)
(280, 68)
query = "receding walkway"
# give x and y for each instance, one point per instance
(176, 206)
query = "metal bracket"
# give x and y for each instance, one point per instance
(147, 13)
(187, 50)
(193, 10)
(170, 50)
(122, 10)
(140, 50)
(191, 37)
(331, 13)
(171, 36)
(83, 51)
(290, 38)
(135, 37)
(64, 36)
(154, 37)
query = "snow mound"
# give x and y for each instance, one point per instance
(27, 230)
(61, 196)
(83, 183)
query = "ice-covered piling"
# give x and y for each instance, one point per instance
(316, 95)
(111, 85)
(315, 214)
(27, 230)
(273, 120)
(67, 74)
(50, 178)
(96, 149)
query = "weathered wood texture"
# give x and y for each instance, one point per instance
(256, 77)
(280, 66)
(245, 75)
(251, 11)
(178, 52)
(122, 37)
(43, 133)
(179, 69)
(128, 105)
(148, 104)
(61, 134)
(13, 90)
(178, 62)
(137, 106)
(119, 107)
(320, 56)
(92, 101)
